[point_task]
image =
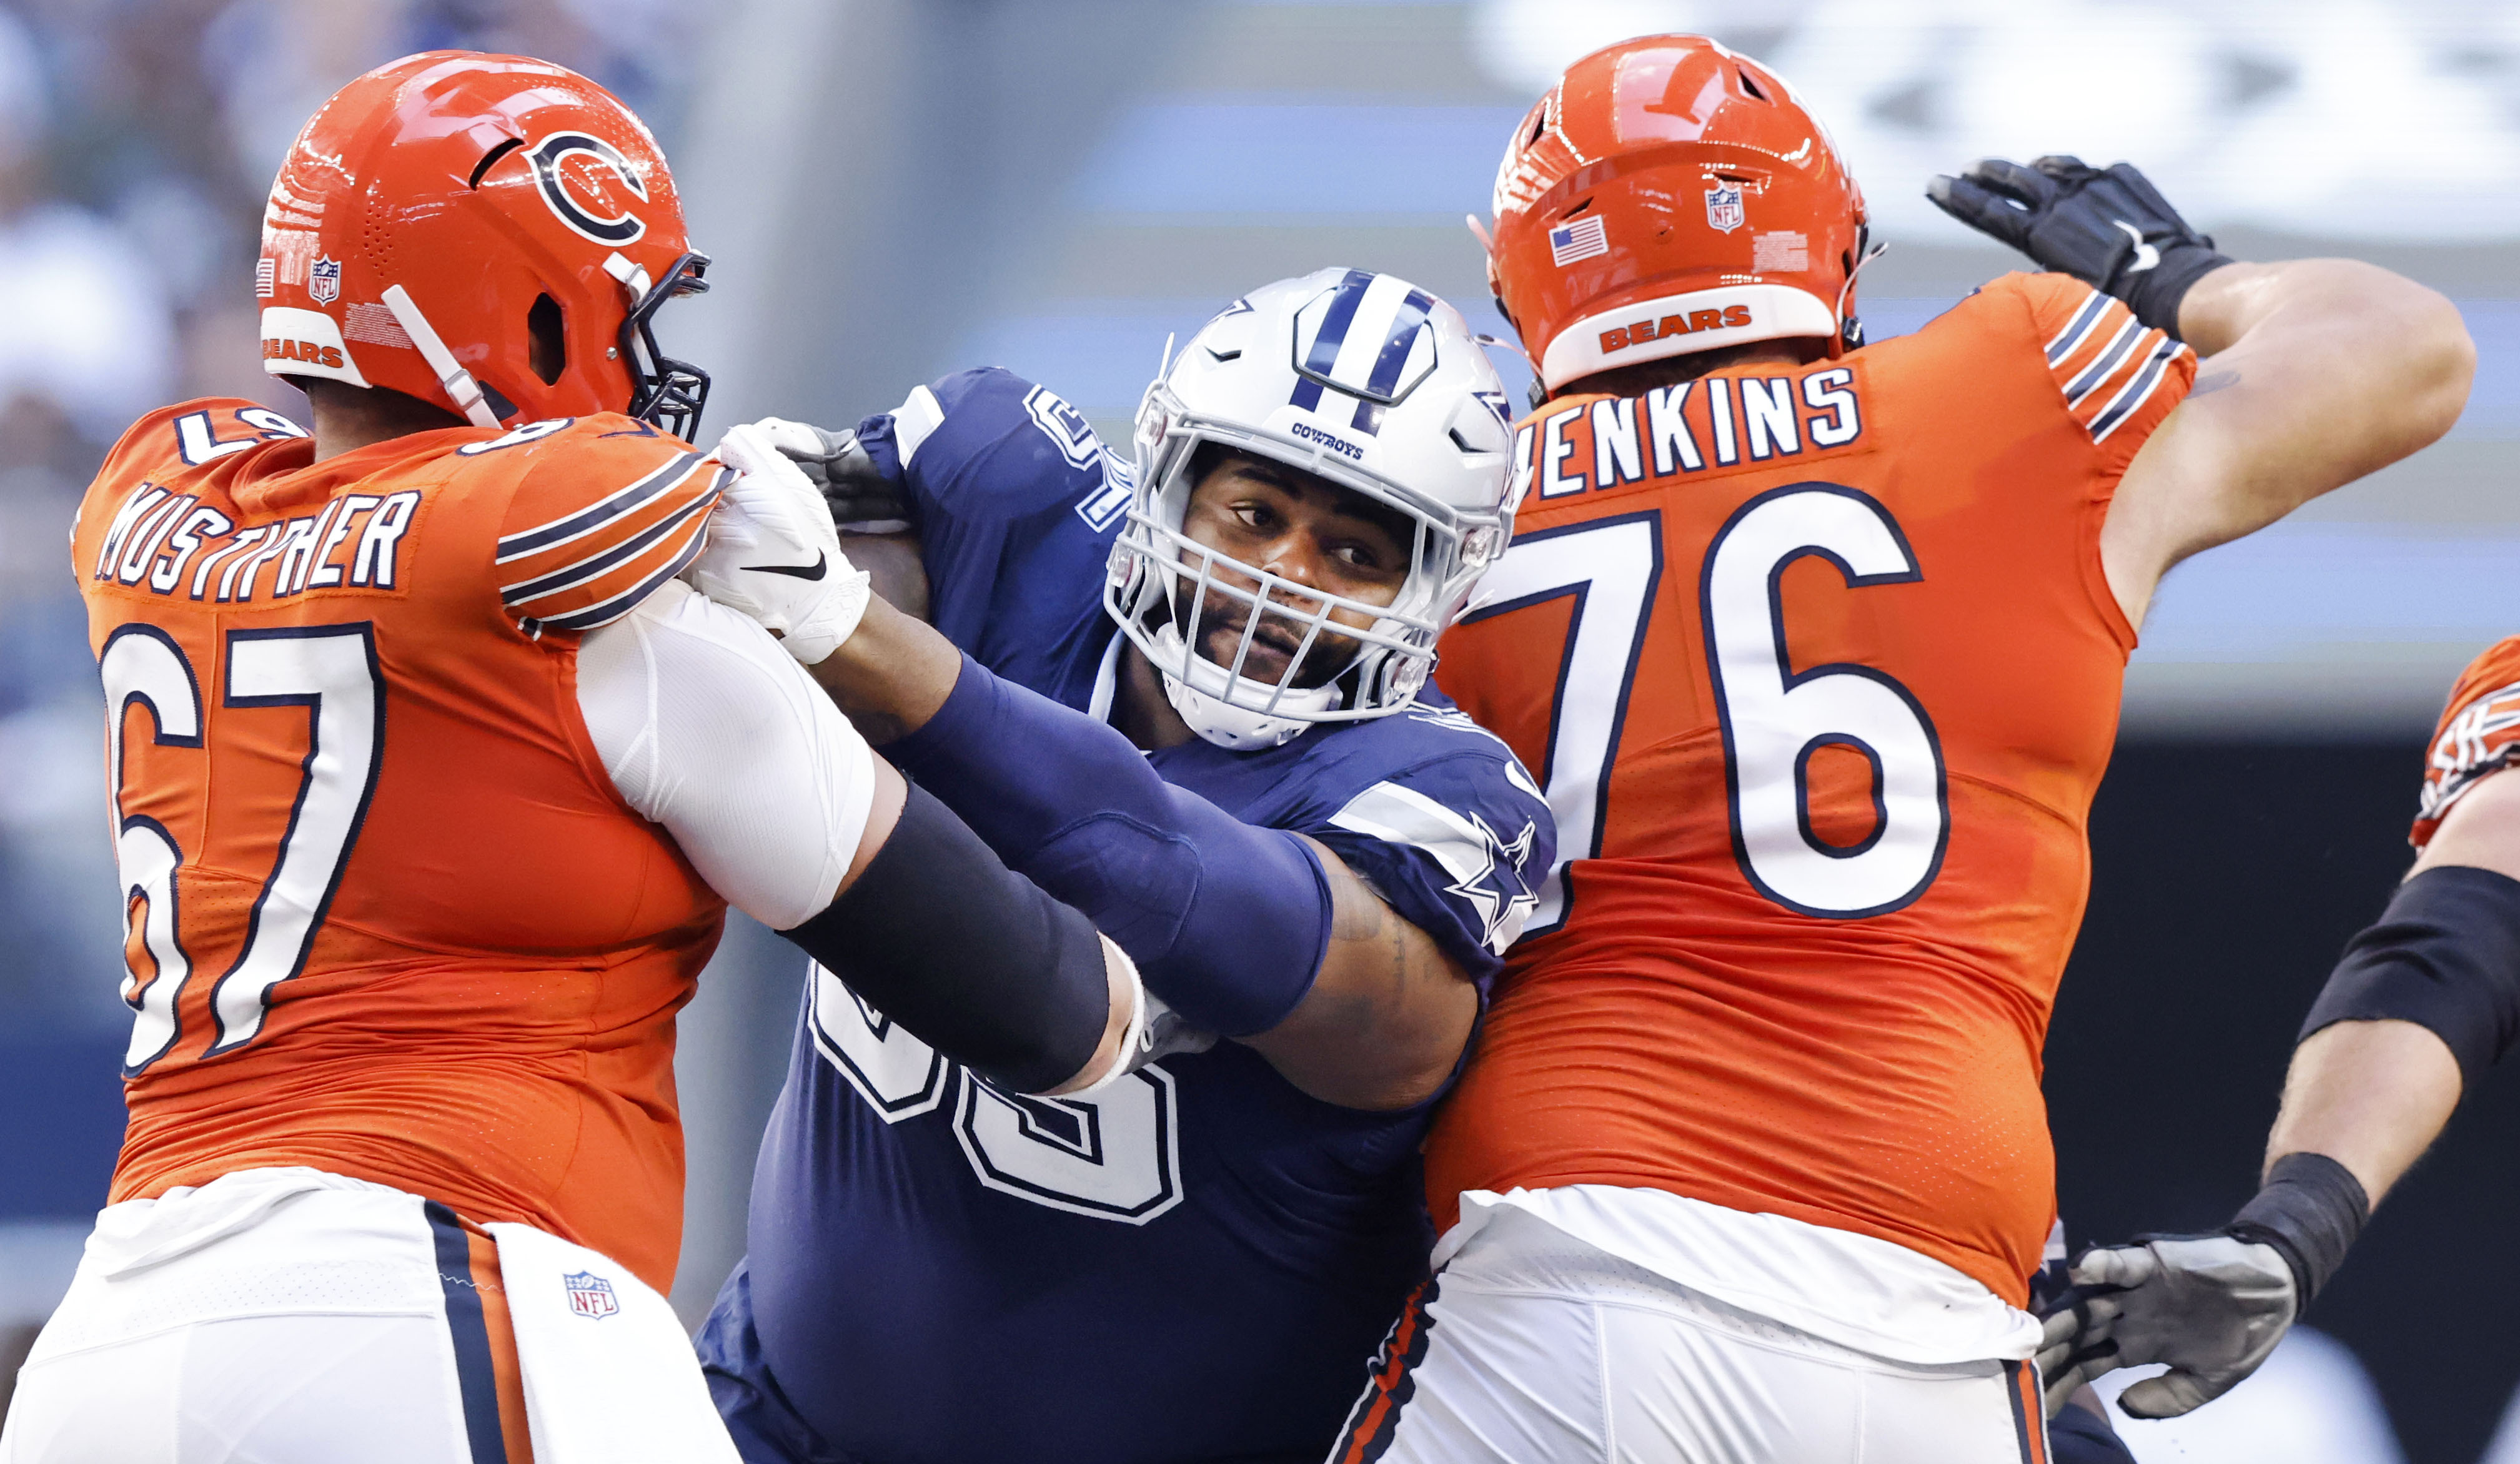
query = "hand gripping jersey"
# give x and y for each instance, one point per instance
(1196, 1263)
(1821, 670)
(1015, 500)
(388, 918)
(2479, 735)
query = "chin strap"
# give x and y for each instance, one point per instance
(1216, 717)
(1850, 332)
(458, 383)
(1232, 727)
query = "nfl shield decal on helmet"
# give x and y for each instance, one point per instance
(324, 280)
(590, 1295)
(1724, 212)
(1578, 239)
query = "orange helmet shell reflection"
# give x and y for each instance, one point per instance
(477, 184)
(1667, 197)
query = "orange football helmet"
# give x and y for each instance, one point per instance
(442, 210)
(1667, 196)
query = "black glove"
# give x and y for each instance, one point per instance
(2112, 228)
(862, 499)
(2213, 1307)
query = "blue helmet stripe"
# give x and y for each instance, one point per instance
(1334, 334)
(1396, 342)
(1342, 314)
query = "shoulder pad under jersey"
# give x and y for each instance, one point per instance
(601, 512)
(2114, 374)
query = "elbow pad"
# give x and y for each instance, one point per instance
(1227, 921)
(2445, 956)
(975, 960)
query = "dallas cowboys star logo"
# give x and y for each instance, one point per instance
(1499, 892)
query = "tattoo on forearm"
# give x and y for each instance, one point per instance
(2214, 382)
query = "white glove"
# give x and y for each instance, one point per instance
(1155, 1031)
(2212, 1307)
(773, 554)
(1166, 1032)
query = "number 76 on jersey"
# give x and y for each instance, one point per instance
(1603, 578)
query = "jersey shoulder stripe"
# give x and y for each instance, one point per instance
(2100, 365)
(2139, 386)
(2114, 374)
(2108, 364)
(587, 520)
(1488, 868)
(598, 521)
(536, 596)
(2479, 735)
(2078, 329)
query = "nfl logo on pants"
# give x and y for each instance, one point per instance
(590, 1295)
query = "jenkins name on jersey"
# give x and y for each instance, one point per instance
(1821, 670)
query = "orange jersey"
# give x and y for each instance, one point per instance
(1822, 671)
(387, 916)
(2479, 735)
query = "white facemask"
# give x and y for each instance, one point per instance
(1198, 689)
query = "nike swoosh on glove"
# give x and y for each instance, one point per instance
(773, 554)
(2108, 227)
(2212, 1307)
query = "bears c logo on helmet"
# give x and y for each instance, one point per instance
(548, 159)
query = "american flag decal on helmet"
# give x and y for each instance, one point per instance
(1367, 336)
(1579, 239)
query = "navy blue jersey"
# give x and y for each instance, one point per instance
(1016, 502)
(1197, 1263)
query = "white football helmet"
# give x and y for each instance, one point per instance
(1365, 380)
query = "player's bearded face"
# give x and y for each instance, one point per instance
(1301, 528)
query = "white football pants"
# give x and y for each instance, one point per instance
(274, 1316)
(292, 1316)
(1530, 1345)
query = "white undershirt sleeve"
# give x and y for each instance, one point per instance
(709, 729)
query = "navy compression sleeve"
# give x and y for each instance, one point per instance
(1228, 922)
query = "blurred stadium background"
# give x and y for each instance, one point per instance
(897, 187)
